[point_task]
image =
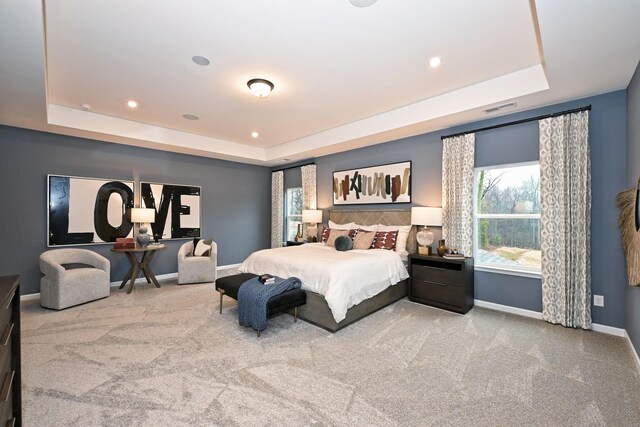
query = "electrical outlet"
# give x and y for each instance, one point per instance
(598, 300)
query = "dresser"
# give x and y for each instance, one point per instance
(441, 282)
(10, 378)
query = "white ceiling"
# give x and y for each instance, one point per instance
(345, 77)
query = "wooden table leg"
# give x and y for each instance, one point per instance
(147, 268)
(143, 263)
(136, 270)
(128, 275)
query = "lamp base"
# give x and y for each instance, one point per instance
(424, 250)
(143, 238)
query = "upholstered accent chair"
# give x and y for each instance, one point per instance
(72, 277)
(197, 269)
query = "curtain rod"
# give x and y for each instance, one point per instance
(293, 167)
(517, 122)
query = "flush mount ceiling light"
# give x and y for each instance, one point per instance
(200, 60)
(190, 117)
(362, 3)
(435, 62)
(132, 104)
(260, 87)
(255, 134)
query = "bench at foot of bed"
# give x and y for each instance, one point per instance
(284, 302)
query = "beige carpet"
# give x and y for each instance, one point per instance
(165, 357)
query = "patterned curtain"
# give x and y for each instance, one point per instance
(277, 208)
(565, 220)
(308, 190)
(457, 192)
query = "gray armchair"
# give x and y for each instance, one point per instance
(72, 277)
(196, 269)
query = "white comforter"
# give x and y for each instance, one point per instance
(343, 278)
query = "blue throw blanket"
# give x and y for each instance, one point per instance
(253, 296)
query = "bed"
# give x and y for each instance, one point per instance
(357, 283)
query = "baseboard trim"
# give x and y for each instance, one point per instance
(633, 350)
(537, 315)
(29, 297)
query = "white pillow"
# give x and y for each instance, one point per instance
(403, 235)
(348, 226)
(366, 227)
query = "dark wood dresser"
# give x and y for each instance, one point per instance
(10, 371)
(441, 282)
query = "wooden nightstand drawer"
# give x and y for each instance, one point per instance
(438, 292)
(436, 274)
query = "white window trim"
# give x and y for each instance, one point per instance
(491, 268)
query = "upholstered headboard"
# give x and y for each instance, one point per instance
(385, 217)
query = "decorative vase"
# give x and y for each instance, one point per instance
(143, 237)
(299, 233)
(442, 248)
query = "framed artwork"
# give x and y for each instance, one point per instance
(87, 210)
(177, 209)
(382, 184)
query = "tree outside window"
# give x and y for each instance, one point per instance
(507, 216)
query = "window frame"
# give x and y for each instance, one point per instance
(494, 268)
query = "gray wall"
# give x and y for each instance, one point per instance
(633, 173)
(239, 221)
(510, 145)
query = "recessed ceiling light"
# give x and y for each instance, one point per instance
(200, 60)
(260, 87)
(435, 62)
(190, 116)
(362, 3)
(132, 104)
(85, 107)
(254, 134)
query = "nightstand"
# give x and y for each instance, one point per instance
(294, 243)
(441, 282)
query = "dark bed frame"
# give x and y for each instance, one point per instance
(316, 310)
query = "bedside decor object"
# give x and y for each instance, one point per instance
(425, 216)
(143, 216)
(299, 233)
(442, 248)
(312, 217)
(376, 184)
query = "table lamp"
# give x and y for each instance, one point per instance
(425, 216)
(143, 216)
(312, 217)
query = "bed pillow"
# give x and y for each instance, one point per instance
(385, 240)
(201, 247)
(334, 234)
(403, 236)
(348, 226)
(367, 227)
(343, 243)
(363, 239)
(353, 233)
(325, 234)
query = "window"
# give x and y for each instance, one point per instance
(507, 218)
(293, 212)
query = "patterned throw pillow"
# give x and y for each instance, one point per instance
(325, 234)
(385, 240)
(201, 247)
(331, 241)
(363, 239)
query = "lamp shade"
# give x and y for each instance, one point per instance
(311, 216)
(426, 216)
(142, 215)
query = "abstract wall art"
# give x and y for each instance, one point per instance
(177, 209)
(628, 203)
(87, 210)
(389, 183)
